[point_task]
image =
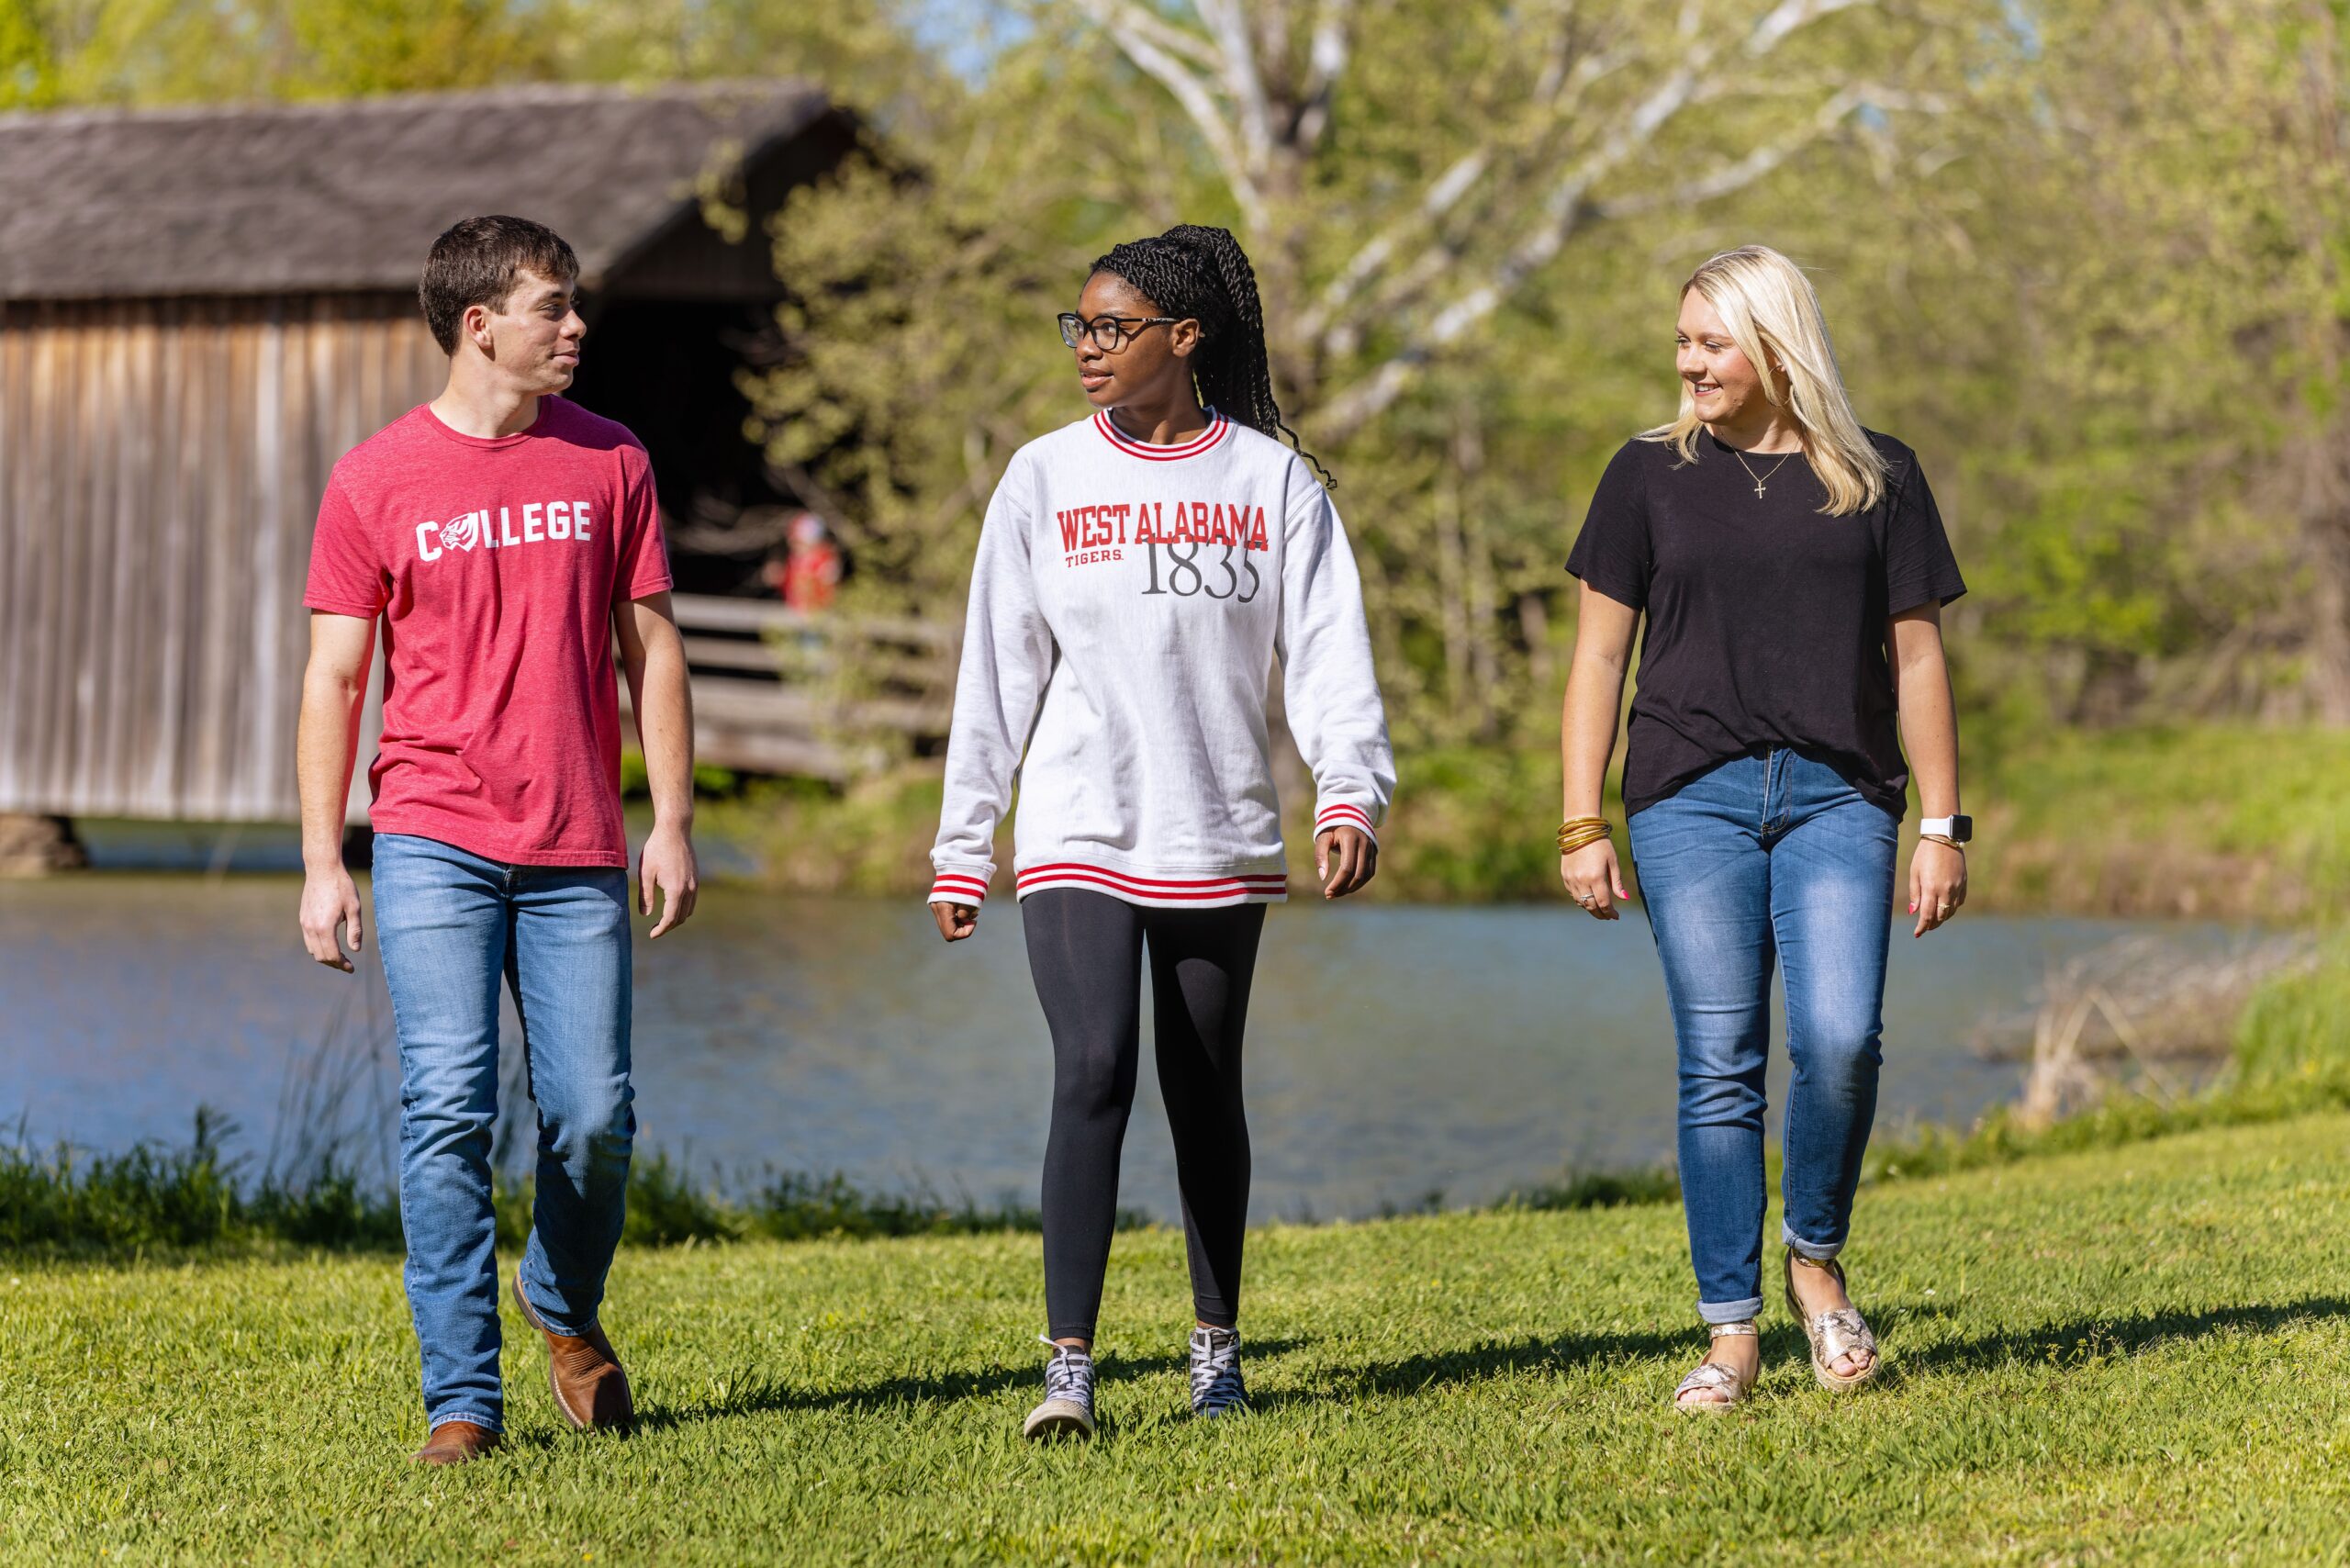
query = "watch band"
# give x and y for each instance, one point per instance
(1957, 829)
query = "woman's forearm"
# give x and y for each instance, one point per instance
(1587, 734)
(1929, 713)
(1587, 720)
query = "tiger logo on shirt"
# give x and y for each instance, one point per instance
(539, 522)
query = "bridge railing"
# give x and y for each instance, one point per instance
(780, 690)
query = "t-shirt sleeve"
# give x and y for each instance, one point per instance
(346, 575)
(1611, 553)
(1918, 566)
(644, 552)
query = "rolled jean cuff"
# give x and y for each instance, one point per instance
(536, 1297)
(1729, 1311)
(434, 1423)
(1814, 1251)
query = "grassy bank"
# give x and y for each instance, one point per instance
(196, 1198)
(2109, 1357)
(2219, 822)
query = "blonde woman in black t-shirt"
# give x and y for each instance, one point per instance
(1792, 568)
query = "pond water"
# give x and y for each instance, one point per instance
(1392, 1051)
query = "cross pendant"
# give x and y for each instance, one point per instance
(1758, 491)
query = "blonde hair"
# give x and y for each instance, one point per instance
(1773, 318)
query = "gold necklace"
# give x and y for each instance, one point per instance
(1758, 479)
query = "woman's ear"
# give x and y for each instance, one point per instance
(1183, 337)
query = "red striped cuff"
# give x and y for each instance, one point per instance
(1339, 814)
(959, 887)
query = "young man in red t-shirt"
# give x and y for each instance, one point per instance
(500, 535)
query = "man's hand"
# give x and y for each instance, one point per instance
(329, 899)
(955, 921)
(1346, 858)
(668, 865)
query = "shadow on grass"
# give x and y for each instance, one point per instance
(1482, 1363)
(2094, 1338)
(759, 1393)
(2059, 1345)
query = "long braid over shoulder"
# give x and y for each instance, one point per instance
(1193, 270)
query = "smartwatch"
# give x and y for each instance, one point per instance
(1957, 829)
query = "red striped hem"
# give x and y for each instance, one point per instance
(1332, 813)
(1217, 426)
(1171, 884)
(1231, 894)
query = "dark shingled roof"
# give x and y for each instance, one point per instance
(348, 195)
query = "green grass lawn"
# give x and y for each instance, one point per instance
(2126, 1355)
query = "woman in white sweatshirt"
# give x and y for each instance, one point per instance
(1138, 573)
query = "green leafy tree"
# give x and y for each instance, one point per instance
(1455, 214)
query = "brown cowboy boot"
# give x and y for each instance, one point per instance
(456, 1443)
(584, 1370)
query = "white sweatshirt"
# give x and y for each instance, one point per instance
(1127, 606)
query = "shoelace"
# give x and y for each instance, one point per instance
(1068, 1374)
(1215, 1372)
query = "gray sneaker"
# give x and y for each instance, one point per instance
(1217, 1386)
(1068, 1409)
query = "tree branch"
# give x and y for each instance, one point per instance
(1139, 35)
(1744, 172)
(1567, 208)
(1243, 83)
(1328, 319)
(1325, 62)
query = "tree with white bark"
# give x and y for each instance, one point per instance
(1501, 134)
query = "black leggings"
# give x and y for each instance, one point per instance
(1085, 950)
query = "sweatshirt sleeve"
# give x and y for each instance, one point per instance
(1329, 686)
(1007, 658)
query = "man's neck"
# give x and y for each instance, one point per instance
(1160, 424)
(476, 405)
(1776, 430)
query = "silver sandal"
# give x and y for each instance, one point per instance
(1712, 1374)
(1833, 1334)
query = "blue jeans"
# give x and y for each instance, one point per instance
(450, 925)
(1769, 856)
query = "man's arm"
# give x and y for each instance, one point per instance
(334, 687)
(654, 658)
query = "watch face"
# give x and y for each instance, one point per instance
(1962, 829)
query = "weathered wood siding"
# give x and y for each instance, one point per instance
(161, 465)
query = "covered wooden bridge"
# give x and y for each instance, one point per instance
(201, 309)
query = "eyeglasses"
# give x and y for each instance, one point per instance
(1110, 333)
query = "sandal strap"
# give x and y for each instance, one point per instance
(1712, 1374)
(1733, 1330)
(1840, 1333)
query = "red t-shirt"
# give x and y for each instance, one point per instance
(496, 565)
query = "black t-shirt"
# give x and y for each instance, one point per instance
(1765, 615)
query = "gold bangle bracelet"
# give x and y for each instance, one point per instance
(1570, 842)
(1942, 839)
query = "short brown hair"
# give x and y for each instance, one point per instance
(479, 260)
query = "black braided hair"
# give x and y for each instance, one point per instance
(1203, 273)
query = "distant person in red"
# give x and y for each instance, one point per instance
(808, 574)
(500, 536)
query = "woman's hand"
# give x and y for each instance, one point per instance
(1937, 883)
(955, 921)
(1595, 879)
(1346, 858)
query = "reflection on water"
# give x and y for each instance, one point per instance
(1392, 1051)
